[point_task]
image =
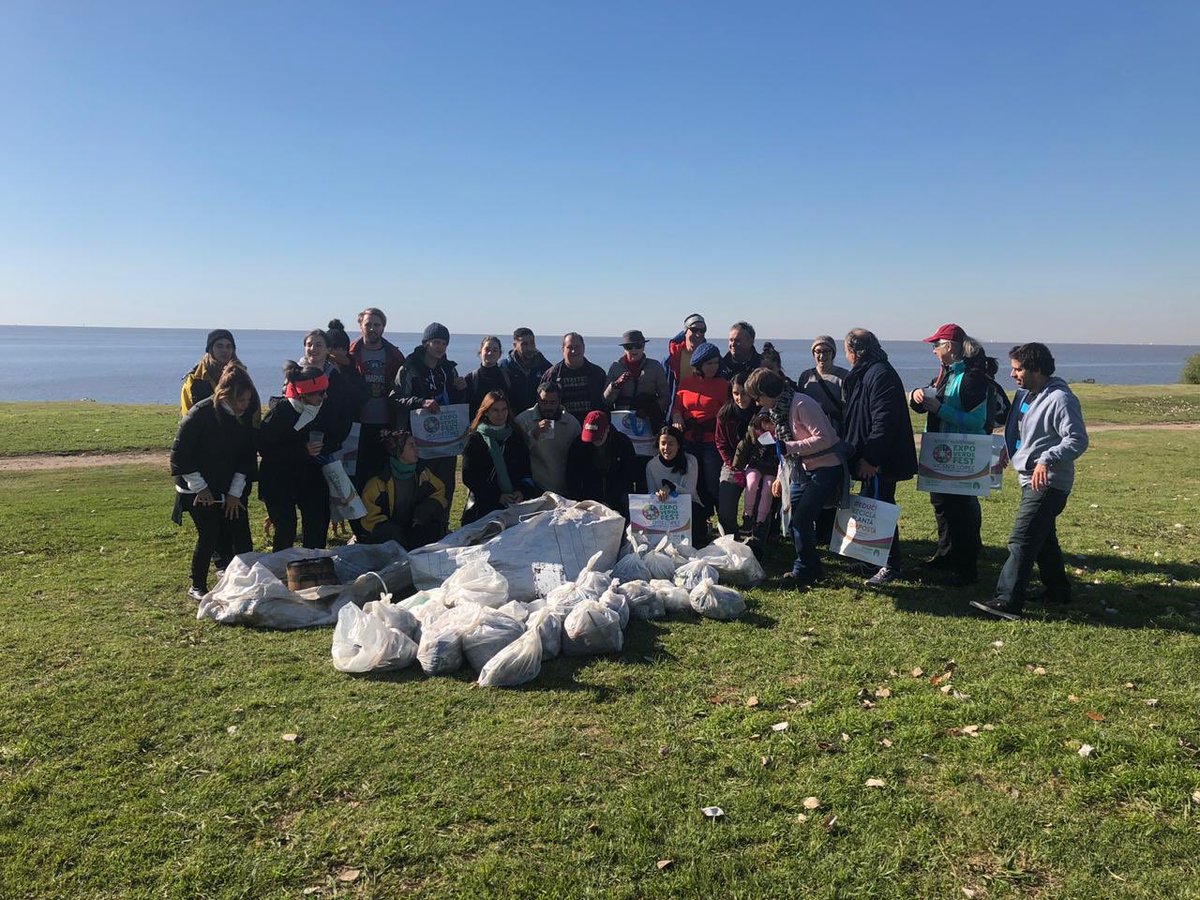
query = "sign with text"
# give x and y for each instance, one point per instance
(443, 433)
(653, 517)
(864, 530)
(637, 430)
(955, 464)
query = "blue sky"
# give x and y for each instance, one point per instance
(1027, 169)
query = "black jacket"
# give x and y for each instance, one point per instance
(216, 444)
(416, 382)
(482, 381)
(876, 418)
(286, 466)
(523, 382)
(606, 473)
(479, 474)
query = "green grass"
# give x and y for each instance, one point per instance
(84, 427)
(1139, 404)
(141, 751)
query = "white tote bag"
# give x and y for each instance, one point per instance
(864, 530)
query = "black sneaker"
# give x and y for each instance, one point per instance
(998, 609)
(886, 575)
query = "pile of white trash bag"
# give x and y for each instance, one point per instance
(486, 612)
(253, 590)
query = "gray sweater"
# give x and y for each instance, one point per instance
(1049, 431)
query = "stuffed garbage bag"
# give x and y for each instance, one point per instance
(516, 664)
(592, 628)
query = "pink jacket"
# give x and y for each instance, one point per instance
(814, 433)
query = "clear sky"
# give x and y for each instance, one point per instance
(1030, 170)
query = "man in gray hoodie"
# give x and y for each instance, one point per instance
(1045, 434)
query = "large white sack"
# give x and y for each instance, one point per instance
(516, 664)
(717, 602)
(734, 560)
(491, 632)
(591, 628)
(476, 581)
(549, 528)
(363, 642)
(253, 591)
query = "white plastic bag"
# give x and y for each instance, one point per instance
(491, 632)
(516, 664)
(591, 628)
(516, 609)
(548, 623)
(476, 581)
(615, 600)
(659, 562)
(674, 598)
(363, 642)
(394, 616)
(643, 602)
(631, 568)
(693, 572)
(716, 602)
(441, 649)
(734, 560)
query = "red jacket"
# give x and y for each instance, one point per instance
(697, 402)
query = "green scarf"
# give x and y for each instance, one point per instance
(495, 437)
(401, 469)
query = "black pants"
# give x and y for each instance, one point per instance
(958, 522)
(217, 538)
(312, 496)
(372, 459)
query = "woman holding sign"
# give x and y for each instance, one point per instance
(495, 461)
(674, 473)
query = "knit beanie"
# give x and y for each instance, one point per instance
(219, 335)
(435, 331)
(702, 354)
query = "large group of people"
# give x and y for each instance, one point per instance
(732, 431)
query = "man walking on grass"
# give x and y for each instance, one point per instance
(1045, 434)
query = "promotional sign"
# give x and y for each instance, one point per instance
(637, 430)
(653, 518)
(443, 433)
(999, 461)
(864, 530)
(955, 464)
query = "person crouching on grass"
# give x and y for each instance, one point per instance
(1045, 434)
(213, 462)
(674, 472)
(407, 504)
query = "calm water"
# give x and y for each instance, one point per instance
(146, 365)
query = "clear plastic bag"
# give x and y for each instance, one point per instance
(592, 628)
(643, 602)
(476, 582)
(716, 602)
(734, 560)
(631, 568)
(661, 563)
(516, 609)
(490, 633)
(441, 649)
(694, 571)
(548, 623)
(615, 600)
(394, 616)
(516, 664)
(363, 642)
(674, 598)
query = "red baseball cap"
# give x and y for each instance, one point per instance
(948, 332)
(595, 427)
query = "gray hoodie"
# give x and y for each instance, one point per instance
(1051, 431)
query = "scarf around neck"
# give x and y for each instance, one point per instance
(401, 470)
(494, 437)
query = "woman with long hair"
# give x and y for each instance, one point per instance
(674, 472)
(219, 350)
(495, 460)
(732, 422)
(213, 462)
(490, 376)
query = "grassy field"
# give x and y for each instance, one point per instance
(141, 751)
(71, 428)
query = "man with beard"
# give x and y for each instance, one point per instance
(525, 366)
(377, 360)
(549, 433)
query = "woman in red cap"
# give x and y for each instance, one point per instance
(298, 436)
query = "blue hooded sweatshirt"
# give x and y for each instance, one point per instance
(1046, 427)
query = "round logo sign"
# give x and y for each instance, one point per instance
(431, 424)
(942, 453)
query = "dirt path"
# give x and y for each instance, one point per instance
(48, 461)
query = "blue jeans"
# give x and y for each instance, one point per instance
(809, 493)
(1034, 538)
